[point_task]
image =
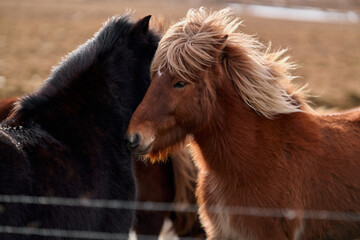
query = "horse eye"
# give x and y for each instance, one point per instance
(180, 84)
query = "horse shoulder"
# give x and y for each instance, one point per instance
(14, 168)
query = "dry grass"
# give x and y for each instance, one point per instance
(35, 34)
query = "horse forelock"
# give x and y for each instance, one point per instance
(191, 45)
(204, 39)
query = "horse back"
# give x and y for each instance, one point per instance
(333, 179)
(341, 134)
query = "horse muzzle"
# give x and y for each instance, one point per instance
(137, 144)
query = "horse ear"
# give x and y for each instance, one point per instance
(141, 27)
(222, 42)
(222, 47)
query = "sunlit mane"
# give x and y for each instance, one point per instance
(203, 39)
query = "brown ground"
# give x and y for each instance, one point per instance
(35, 34)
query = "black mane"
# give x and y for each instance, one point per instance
(79, 61)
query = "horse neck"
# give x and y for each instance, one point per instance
(228, 133)
(233, 141)
(75, 111)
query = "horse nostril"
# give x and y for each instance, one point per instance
(133, 141)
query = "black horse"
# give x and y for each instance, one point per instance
(66, 138)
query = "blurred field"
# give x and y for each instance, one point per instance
(35, 34)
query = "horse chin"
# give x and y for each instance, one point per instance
(159, 156)
(143, 151)
(162, 154)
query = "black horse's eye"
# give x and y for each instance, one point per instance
(180, 84)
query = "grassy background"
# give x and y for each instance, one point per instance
(35, 34)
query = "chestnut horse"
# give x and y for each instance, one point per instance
(256, 141)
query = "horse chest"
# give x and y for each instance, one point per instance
(219, 202)
(214, 199)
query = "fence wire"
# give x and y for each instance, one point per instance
(77, 234)
(62, 233)
(155, 206)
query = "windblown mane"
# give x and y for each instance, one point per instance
(260, 77)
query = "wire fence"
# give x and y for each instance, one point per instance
(156, 206)
(76, 234)
(62, 233)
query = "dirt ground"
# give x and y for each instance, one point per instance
(35, 34)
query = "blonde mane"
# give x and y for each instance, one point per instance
(203, 39)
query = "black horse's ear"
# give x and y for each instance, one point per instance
(141, 27)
